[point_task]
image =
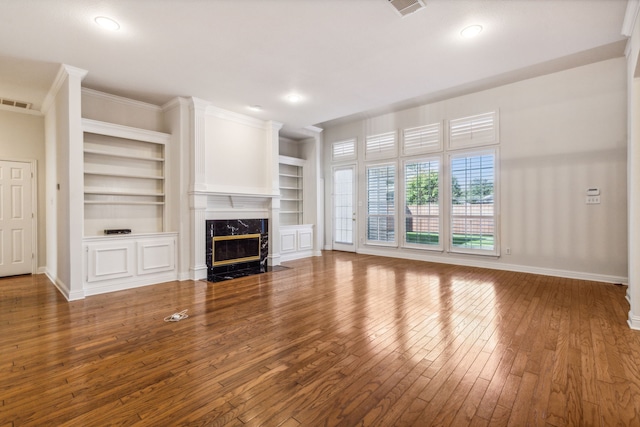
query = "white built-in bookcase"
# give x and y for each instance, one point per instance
(291, 176)
(296, 237)
(124, 178)
(124, 188)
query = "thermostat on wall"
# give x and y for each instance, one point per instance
(595, 191)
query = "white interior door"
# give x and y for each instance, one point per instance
(16, 219)
(344, 208)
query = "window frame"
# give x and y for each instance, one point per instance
(367, 241)
(441, 197)
(344, 158)
(477, 135)
(496, 201)
(422, 149)
(378, 154)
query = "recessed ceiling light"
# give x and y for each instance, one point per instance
(107, 23)
(294, 98)
(471, 31)
(255, 107)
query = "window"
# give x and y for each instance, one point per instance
(473, 222)
(422, 139)
(473, 131)
(381, 204)
(380, 146)
(344, 150)
(422, 203)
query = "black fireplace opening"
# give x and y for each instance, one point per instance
(236, 248)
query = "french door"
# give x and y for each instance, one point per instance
(344, 208)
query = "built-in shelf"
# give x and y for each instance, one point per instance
(123, 156)
(119, 202)
(120, 193)
(123, 175)
(290, 176)
(124, 178)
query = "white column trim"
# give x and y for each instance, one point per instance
(198, 108)
(198, 264)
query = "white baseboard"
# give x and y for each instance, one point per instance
(469, 262)
(198, 273)
(122, 285)
(296, 255)
(274, 259)
(634, 321)
(184, 276)
(63, 288)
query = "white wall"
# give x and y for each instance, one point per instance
(65, 195)
(122, 111)
(22, 138)
(237, 156)
(290, 148)
(559, 135)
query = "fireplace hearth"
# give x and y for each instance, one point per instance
(236, 248)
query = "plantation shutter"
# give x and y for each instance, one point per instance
(380, 146)
(422, 203)
(473, 194)
(381, 203)
(344, 150)
(422, 139)
(473, 131)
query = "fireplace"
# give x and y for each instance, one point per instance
(236, 248)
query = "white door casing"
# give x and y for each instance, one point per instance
(16, 218)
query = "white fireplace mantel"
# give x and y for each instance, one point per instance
(212, 205)
(218, 205)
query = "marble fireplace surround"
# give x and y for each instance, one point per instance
(239, 249)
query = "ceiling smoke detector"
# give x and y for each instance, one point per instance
(406, 7)
(16, 104)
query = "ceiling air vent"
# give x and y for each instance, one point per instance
(16, 104)
(406, 7)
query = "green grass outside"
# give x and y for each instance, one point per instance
(461, 240)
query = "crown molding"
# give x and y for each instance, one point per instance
(198, 104)
(630, 17)
(127, 132)
(121, 100)
(64, 71)
(175, 103)
(237, 118)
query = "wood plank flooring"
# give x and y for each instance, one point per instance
(341, 339)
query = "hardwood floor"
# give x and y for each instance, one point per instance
(341, 339)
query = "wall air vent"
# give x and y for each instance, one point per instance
(16, 104)
(406, 7)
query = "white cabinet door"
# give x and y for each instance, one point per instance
(107, 261)
(296, 241)
(16, 218)
(287, 241)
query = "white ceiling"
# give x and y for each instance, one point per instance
(346, 57)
